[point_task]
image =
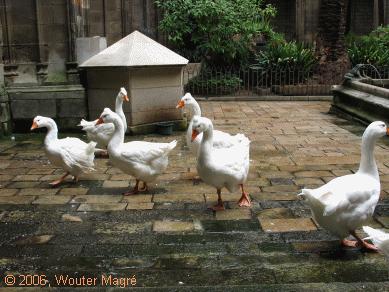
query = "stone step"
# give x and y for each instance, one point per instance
(363, 106)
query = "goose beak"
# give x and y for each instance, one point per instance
(180, 104)
(125, 98)
(34, 126)
(387, 131)
(194, 134)
(99, 121)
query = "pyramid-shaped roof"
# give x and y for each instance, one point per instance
(135, 50)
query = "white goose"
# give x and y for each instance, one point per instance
(143, 160)
(71, 154)
(103, 133)
(379, 238)
(220, 139)
(221, 167)
(347, 202)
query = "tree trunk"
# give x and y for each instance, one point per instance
(330, 44)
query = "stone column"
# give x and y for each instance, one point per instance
(300, 20)
(5, 114)
(307, 14)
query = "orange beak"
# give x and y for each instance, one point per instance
(387, 131)
(125, 98)
(34, 126)
(99, 121)
(180, 104)
(194, 134)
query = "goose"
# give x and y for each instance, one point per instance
(143, 160)
(103, 133)
(220, 139)
(71, 154)
(379, 238)
(347, 202)
(221, 167)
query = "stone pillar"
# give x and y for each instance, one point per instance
(379, 12)
(5, 114)
(300, 20)
(307, 14)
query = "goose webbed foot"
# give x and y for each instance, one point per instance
(349, 243)
(136, 189)
(369, 246)
(59, 181)
(219, 206)
(145, 188)
(244, 200)
(359, 243)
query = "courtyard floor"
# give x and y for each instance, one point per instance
(167, 238)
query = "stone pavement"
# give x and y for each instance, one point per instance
(167, 239)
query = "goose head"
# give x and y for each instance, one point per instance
(376, 130)
(200, 124)
(186, 100)
(107, 116)
(41, 122)
(123, 94)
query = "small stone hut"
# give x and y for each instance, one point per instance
(151, 73)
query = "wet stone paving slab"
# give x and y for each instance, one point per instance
(167, 239)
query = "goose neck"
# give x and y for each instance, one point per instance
(52, 132)
(118, 135)
(196, 110)
(206, 145)
(368, 164)
(119, 110)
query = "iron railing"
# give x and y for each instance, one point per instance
(252, 81)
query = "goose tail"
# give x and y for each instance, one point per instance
(171, 146)
(91, 148)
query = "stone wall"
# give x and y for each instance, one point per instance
(298, 19)
(285, 20)
(39, 36)
(361, 16)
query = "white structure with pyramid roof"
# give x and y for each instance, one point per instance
(151, 73)
(135, 50)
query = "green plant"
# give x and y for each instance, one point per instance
(286, 55)
(215, 31)
(371, 48)
(285, 62)
(213, 83)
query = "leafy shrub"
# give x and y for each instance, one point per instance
(210, 82)
(215, 31)
(285, 55)
(370, 49)
(285, 62)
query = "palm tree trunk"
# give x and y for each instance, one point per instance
(330, 44)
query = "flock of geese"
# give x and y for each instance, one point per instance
(340, 206)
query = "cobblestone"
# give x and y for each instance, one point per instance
(168, 238)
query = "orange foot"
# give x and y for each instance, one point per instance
(244, 201)
(218, 207)
(363, 244)
(133, 192)
(58, 181)
(349, 243)
(369, 246)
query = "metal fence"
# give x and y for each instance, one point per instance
(251, 81)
